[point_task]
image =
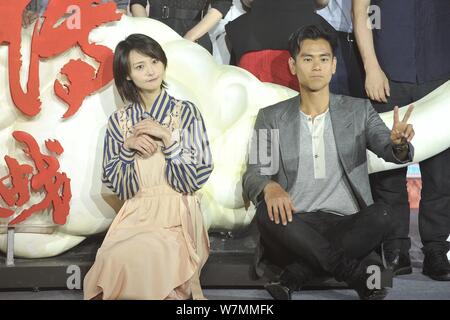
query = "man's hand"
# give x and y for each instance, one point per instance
(402, 132)
(154, 129)
(279, 204)
(143, 144)
(377, 85)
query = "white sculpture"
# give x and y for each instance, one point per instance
(229, 99)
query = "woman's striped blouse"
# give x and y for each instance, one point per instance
(188, 162)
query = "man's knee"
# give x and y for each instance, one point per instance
(263, 220)
(383, 217)
(262, 217)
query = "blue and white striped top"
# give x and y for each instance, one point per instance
(188, 162)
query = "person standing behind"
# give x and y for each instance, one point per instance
(192, 19)
(404, 60)
(349, 77)
(258, 38)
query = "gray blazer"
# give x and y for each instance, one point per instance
(356, 126)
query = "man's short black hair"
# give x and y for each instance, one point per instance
(312, 32)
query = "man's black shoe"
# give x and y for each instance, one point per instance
(374, 294)
(359, 282)
(278, 291)
(436, 265)
(399, 263)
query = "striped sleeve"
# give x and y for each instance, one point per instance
(189, 162)
(118, 162)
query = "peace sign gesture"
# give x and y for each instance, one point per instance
(402, 132)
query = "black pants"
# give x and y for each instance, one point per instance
(320, 243)
(389, 187)
(349, 77)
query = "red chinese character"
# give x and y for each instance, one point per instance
(56, 185)
(52, 38)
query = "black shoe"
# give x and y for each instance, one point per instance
(374, 294)
(436, 265)
(399, 263)
(359, 284)
(278, 291)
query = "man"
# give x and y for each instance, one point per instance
(406, 58)
(320, 188)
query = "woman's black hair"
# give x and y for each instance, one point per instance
(121, 64)
(312, 32)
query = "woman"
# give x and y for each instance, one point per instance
(189, 18)
(156, 155)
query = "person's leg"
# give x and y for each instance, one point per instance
(358, 235)
(340, 81)
(434, 208)
(361, 233)
(303, 238)
(357, 74)
(434, 215)
(389, 187)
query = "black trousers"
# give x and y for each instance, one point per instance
(389, 187)
(320, 243)
(349, 77)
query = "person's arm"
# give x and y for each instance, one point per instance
(254, 180)
(189, 162)
(377, 84)
(207, 23)
(401, 135)
(118, 162)
(218, 10)
(137, 8)
(320, 4)
(391, 145)
(257, 183)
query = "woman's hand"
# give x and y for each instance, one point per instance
(152, 128)
(144, 145)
